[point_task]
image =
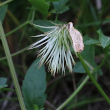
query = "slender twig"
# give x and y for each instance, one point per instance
(16, 53)
(54, 80)
(74, 93)
(31, 15)
(50, 105)
(14, 30)
(6, 2)
(79, 88)
(93, 79)
(12, 69)
(30, 19)
(56, 18)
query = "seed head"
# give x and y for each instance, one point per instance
(56, 47)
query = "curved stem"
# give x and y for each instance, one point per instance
(82, 84)
(27, 22)
(16, 53)
(93, 79)
(56, 18)
(77, 90)
(30, 19)
(12, 69)
(74, 93)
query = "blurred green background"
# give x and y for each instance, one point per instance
(87, 16)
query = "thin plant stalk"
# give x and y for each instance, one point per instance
(29, 19)
(74, 93)
(79, 88)
(6, 2)
(12, 69)
(16, 53)
(14, 30)
(93, 79)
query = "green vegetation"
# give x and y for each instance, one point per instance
(21, 78)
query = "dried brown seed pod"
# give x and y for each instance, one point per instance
(76, 38)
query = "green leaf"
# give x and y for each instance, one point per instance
(3, 12)
(60, 6)
(34, 86)
(51, 0)
(89, 55)
(6, 89)
(65, 8)
(3, 82)
(36, 107)
(104, 40)
(40, 5)
(45, 23)
(78, 68)
(91, 41)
